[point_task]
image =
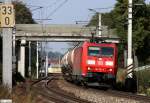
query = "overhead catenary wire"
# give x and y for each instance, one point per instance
(51, 5)
(36, 7)
(110, 7)
(59, 6)
(40, 7)
(54, 3)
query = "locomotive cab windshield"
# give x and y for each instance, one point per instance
(100, 51)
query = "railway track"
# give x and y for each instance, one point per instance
(51, 92)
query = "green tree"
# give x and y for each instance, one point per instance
(22, 13)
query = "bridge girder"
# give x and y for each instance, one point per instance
(57, 32)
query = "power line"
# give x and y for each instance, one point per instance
(54, 3)
(37, 8)
(30, 6)
(42, 19)
(59, 6)
(51, 5)
(110, 7)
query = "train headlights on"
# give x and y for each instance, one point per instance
(109, 63)
(89, 68)
(91, 62)
(110, 70)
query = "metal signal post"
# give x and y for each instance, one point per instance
(100, 24)
(37, 60)
(130, 59)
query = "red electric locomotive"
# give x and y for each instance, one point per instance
(91, 62)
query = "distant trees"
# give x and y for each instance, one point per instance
(54, 55)
(118, 19)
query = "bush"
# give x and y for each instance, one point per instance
(121, 75)
(143, 79)
(148, 92)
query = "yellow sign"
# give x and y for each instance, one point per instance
(7, 17)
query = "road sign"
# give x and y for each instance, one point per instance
(7, 17)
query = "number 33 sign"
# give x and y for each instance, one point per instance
(7, 18)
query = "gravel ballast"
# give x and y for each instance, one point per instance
(93, 96)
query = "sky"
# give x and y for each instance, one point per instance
(69, 12)
(66, 12)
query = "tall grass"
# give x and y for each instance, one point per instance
(4, 93)
(143, 81)
(25, 98)
(19, 94)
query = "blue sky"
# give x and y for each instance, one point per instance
(71, 11)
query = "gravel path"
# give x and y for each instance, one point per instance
(93, 96)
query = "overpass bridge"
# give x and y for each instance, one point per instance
(57, 32)
(40, 32)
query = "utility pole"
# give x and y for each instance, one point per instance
(14, 51)
(46, 64)
(130, 59)
(46, 60)
(59, 61)
(7, 23)
(21, 69)
(99, 30)
(37, 60)
(99, 25)
(29, 58)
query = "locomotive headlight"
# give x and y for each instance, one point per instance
(91, 62)
(110, 70)
(89, 68)
(109, 63)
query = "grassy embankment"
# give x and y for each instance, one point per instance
(143, 80)
(19, 92)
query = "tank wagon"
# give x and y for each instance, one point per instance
(91, 62)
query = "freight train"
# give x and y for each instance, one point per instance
(91, 62)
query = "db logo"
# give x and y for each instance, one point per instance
(100, 62)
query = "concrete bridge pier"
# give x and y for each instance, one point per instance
(21, 61)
